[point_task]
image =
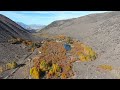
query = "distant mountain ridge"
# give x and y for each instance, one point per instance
(32, 27)
(23, 25)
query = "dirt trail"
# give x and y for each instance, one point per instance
(23, 71)
(19, 72)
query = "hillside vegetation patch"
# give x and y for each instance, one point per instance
(55, 61)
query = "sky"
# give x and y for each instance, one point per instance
(44, 17)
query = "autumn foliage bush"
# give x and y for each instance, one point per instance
(56, 62)
(8, 66)
(53, 59)
(35, 73)
(83, 52)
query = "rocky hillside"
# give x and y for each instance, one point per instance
(101, 32)
(9, 29)
(95, 28)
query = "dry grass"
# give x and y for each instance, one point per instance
(105, 67)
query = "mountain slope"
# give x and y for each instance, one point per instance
(10, 29)
(101, 32)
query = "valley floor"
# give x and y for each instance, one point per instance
(82, 70)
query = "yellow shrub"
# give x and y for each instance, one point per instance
(35, 73)
(51, 73)
(86, 50)
(63, 76)
(88, 58)
(56, 68)
(90, 53)
(68, 68)
(14, 65)
(82, 57)
(8, 66)
(44, 66)
(11, 65)
(57, 74)
(105, 67)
